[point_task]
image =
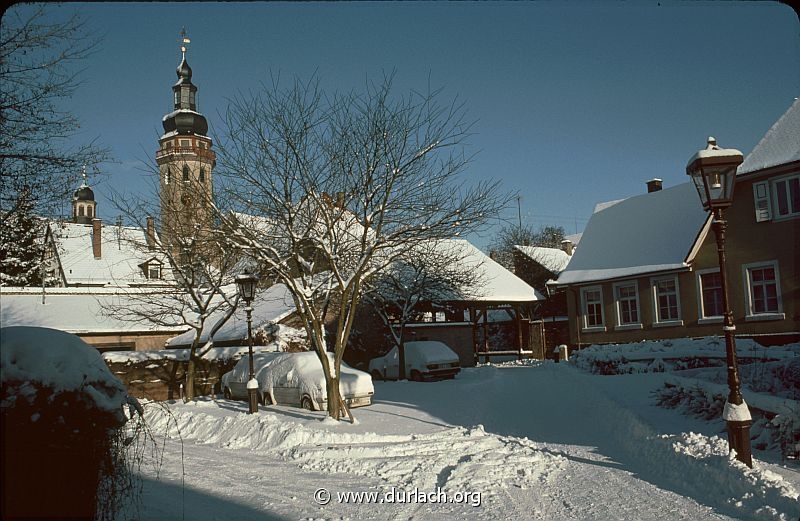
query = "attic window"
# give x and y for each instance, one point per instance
(153, 271)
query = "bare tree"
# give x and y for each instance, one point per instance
(197, 267)
(512, 235)
(437, 271)
(37, 148)
(334, 188)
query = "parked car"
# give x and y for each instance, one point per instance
(425, 360)
(296, 379)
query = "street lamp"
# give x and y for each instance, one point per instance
(247, 290)
(713, 171)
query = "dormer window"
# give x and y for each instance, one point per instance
(151, 269)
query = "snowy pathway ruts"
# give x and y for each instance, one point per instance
(552, 446)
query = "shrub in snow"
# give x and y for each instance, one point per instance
(61, 414)
(768, 431)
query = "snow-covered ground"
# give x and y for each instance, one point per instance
(516, 441)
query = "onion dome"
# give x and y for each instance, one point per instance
(84, 193)
(185, 122)
(184, 72)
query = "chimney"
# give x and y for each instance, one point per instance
(151, 234)
(97, 226)
(340, 200)
(566, 246)
(492, 254)
(653, 185)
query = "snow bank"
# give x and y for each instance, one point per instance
(34, 360)
(699, 466)
(619, 358)
(453, 458)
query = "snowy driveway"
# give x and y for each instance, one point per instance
(537, 442)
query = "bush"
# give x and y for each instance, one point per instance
(61, 415)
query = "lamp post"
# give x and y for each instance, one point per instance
(247, 289)
(713, 171)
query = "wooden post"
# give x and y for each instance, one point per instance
(519, 332)
(473, 319)
(486, 331)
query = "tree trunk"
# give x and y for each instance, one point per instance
(334, 398)
(401, 356)
(188, 391)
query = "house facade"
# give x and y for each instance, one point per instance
(648, 265)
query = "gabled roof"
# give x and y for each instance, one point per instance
(499, 284)
(780, 145)
(553, 260)
(643, 234)
(121, 255)
(269, 306)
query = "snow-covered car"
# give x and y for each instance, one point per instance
(425, 360)
(296, 379)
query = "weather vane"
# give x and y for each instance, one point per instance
(184, 40)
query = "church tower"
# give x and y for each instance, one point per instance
(84, 207)
(185, 161)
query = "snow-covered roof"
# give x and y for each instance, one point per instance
(574, 238)
(599, 207)
(643, 234)
(122, 252)
(780, 145)
(69, 310)
(499, 284)
(270, 306)
(552, 259)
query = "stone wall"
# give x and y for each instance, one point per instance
(162, 379)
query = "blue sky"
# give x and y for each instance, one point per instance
(574, 103)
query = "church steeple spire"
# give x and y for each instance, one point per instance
(185, 119)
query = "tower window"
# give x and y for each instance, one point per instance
(167, 175)
(202, 174)
(185, 173)
(89, 211)
(80, 211)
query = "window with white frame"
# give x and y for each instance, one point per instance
(667, 306)
(626, 297)
(592, 307)
(763, 291)
(710, 294)
(153, 271)
(777, 198)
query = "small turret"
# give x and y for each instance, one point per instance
(84, 207)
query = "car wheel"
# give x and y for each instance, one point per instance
(226, 393)
(416, 376)
(266, 399)
(376, 375)
(307, 404)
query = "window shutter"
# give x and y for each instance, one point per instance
(761, 199)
